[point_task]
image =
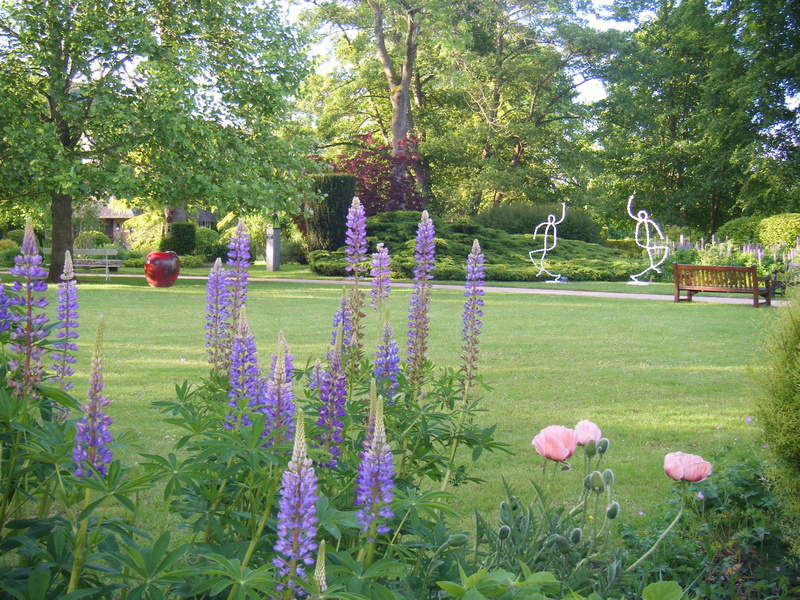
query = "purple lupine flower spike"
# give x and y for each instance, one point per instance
(217, 316)
(356, 240)
(375, 481)
(420, 298)
(471, 319)
(237, 280)
(92, 435)
(332, 396)
(27, 325)
(279, 400)
(5, 314)
(67, 331)
(387, 362)
(381, 278)
(297, 519)
(246, 387)
(356, 259)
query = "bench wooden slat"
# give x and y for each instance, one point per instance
(80, 262)
(693, 279)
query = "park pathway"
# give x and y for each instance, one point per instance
(556, 290)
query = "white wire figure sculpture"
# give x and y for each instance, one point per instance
(657, 250)
(550, 239)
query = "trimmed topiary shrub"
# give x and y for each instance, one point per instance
(743, 230)
(91, 239)
(326, 227)
(780, 229)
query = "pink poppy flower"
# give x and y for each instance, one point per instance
(686, 467)
(556, 442)
(586, 430)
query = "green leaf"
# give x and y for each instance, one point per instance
(663, 590)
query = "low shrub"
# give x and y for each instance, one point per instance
(189, 261)
(91, 239)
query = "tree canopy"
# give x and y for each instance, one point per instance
(169, 103)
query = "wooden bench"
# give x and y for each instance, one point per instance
(693, 279)
(93, 258)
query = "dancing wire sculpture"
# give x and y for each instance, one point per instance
(651, 245)
(550, 232)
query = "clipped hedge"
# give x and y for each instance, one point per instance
(780, 229)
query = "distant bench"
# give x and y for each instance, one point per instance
(93, 258)
(693, 279)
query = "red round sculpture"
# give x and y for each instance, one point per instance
(161, 269)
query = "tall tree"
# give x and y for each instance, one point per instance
(677, 126)
(162, 101)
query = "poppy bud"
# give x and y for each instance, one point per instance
(596, 482)
(590, 448)
(608, 477)
(576, 535)
(504, 532)
(602, 445)
(562, 544)
(612, 511)
(457, 539)
(587, 482)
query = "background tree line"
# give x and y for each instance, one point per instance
(454, 106)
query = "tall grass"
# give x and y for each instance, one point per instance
(656, 376)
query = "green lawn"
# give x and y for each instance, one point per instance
(656, 376)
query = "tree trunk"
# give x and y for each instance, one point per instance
(61, 212)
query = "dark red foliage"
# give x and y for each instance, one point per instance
(385, 183)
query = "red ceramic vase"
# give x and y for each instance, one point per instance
(161, 269)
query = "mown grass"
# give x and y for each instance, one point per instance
(656, 376)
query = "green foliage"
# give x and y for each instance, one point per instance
(192, 261)
(780, 229)
(8, 250)
(325, 228)
(779, 413)
(182, 239)
(16, 235)
(731, 544)
(742, 230)
(506, 254)
(205, 240)
(524, 218)
(91, 239)
(145, 231)
(293, 252)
